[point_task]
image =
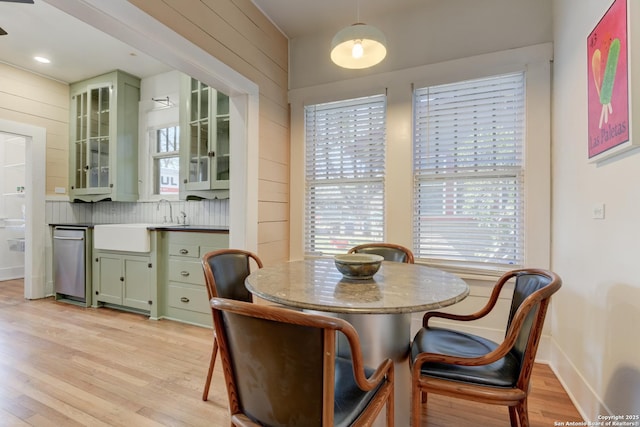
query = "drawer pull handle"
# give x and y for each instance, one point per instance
(184, 273)
(184, 251)
(184, 299)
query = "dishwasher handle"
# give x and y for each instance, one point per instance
(67, 238)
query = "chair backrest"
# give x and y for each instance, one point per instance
(225, 271)
(532, 293)
(388, 251)
(277, 362)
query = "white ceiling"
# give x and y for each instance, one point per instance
(297, 18)
(79, 51)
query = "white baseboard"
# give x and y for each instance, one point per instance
(10, 273)
(583, 396)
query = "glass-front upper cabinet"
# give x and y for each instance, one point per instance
(104, 138)
(204, 141)
(91, 140)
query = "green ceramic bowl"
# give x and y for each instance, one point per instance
(358, 266)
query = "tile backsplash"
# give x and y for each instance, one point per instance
(203, 212)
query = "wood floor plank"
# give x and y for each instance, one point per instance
(63, 365)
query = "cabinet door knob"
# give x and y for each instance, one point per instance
(184, 273)
(184, 251)
(122, 279)
(184, 299)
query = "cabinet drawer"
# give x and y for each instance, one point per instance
(186, 250)
(188, 298)
(186, 271)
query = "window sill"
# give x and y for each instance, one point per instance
(491, 273)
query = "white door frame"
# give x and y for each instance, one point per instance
(35, 225)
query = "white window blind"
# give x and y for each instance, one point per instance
(468, 173)
(344, 164)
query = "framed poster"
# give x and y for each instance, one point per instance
(608, 94)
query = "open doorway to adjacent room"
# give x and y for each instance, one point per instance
(22, 207)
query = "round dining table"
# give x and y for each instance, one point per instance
(379, 308)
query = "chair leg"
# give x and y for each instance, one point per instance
(523, 413)
(513, 416)
(391, 407)
(417, 398)
(519, 415)
(212, 362)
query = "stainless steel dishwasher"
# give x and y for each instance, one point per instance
(70, 263)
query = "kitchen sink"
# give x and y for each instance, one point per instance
(123, 237)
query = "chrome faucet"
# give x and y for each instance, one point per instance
(170, 210)
(184, 218)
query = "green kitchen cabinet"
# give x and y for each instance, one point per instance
(204, 141)
(103, 155)
(182, 286)
(124, 280)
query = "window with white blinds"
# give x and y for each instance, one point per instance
(344, 172)
(468, 173)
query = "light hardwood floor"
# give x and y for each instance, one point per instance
(63, 365)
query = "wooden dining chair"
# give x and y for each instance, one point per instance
(281, 369)
(466, 366)
(388, 251)
(224, 274)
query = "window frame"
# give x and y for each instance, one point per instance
(152, 135)
(348, 175)
(457, 148)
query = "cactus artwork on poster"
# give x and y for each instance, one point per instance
(608, 86)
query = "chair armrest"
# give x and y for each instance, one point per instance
(486, 359)
(493, 299)
(537, 301)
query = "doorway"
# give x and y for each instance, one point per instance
(33, 200)
(126, 22)
(12, 207)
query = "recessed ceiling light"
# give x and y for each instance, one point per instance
(42, 59)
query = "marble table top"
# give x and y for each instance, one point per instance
(316, 284)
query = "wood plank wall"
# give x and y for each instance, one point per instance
(238, 34)
(38, 101)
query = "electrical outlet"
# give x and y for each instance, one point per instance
(597, 211)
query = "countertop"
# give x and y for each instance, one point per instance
(158, 227)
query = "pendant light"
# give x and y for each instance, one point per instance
(358, 46)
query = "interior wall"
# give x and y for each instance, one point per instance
(34, 100)
(596, 311)
(431, 32)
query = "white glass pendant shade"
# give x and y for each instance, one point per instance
(358, 46)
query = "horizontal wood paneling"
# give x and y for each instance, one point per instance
(273, 171)
(272, 252)
(275, 142)
(269, 232)
(273, 191)
(35, 100)
(272, 211)
(229, 44)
